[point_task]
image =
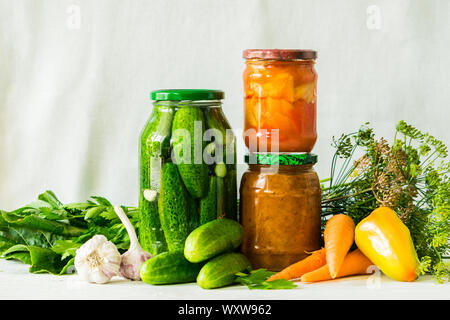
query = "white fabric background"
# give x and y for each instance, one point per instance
(75, 77)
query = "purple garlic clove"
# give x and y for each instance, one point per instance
(131, 263)
(135, 256)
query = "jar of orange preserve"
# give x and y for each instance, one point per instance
(280, 209)
(280, 89)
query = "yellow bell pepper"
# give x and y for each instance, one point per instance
(387, 242)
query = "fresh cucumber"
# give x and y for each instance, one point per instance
(174, 208)
(188, 146)
(169, 267)
(221, 271)
(213, 238)
(208, 205)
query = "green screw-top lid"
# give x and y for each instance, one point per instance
(281, 158)
(187, 94)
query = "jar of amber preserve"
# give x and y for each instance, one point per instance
(280, 88)
(280, 209)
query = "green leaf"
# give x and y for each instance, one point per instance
(5, 243)
(66, 248)
(21, 256)
(256, 279)
(279, 284)
(52, 214)
(18, 252)
(102, 201)
(16, 248)
(93, 212)
(36, 222)
(45, 260)
(49, 197)
(77, 206)
(37, 204)
(109, 214)
(41, 260)
(66, 267)
(27, 236)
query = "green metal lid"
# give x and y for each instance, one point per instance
(187, 94)
(281, 158)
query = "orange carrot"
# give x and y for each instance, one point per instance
(338, 235)
(354, 263)
(296, 270)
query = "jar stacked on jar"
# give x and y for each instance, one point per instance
(280, 195)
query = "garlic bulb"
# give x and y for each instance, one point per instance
(97, 260)
(135, 256)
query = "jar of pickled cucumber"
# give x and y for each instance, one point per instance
(280, 89)
(187, 167)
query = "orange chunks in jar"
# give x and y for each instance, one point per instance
(305, 92)
(281, 95)
(280, 86)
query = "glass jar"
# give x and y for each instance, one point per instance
(280, 88)
(280, 210)
(187, 167)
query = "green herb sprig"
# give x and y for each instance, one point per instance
(257, 279)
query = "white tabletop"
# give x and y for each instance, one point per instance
(17, 283)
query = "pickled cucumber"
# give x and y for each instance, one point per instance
(216, 120)
(208, 205)
(159, 141)
(220, 198)
(188, 155)
(155, 142)
(174, 208)
(151, 235)
(194, 216)
(230, 193)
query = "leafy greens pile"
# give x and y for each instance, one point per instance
(411, 176)
(46, 233)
